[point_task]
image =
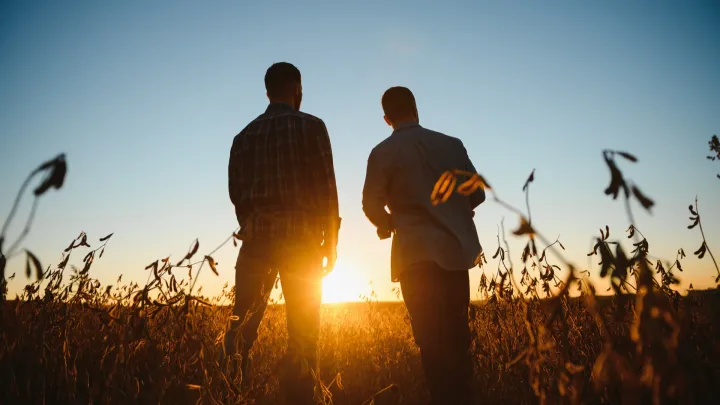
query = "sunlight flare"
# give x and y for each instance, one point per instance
(344, 284)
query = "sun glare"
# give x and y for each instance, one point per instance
(344, 284)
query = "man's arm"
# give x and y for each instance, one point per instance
(326, 185)
(478, 197)
(239, 168)
(234, 171)
(375, 192)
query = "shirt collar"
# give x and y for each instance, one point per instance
(279, 107)
(406, 125)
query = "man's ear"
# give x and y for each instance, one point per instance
(387, 120)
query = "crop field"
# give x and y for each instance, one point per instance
(85, 349)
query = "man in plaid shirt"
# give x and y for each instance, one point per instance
(282, 184)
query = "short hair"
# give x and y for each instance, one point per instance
(398, 102)
(281, 78)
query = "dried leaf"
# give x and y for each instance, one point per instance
(213, 265)
(700, 253)
(646, 202)
(533, 247)
(191, 252)
(616, 179)
(64, 262)
(483, 183)
(526, 252)
(194, 249)
(627, 156)
(56, 176)
(36, 263)
(3, 262)
(152, 265)
(103, 239)
(28, 273)
(444, 188)
(529, 180)
(471, 185)
(88, 263)
(524, 228)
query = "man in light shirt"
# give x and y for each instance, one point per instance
(433, 246)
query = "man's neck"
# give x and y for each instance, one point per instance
(404, 123)
(282, 101)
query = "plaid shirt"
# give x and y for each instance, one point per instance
(281, 176)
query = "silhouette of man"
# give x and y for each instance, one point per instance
(432, 246)
(282, 184)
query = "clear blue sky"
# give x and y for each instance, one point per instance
(145, 98)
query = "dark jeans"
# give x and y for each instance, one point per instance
(437, 301)
(299, 265)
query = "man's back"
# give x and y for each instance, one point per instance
(412, 159)
(281, 165)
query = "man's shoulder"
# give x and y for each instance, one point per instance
(443, 136)
(285, 114)
(384, 145)
(294, 115)
(309, 117)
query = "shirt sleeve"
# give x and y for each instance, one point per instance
(233, 168)
(326, 185)
(236, 174)
(375, 191)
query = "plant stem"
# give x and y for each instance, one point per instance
(527, 203)
(697, 209)
(14, 208)
(26, 230)
(232, 235)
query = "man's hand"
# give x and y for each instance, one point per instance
(329, 246)
(329, 258)
(384, 233)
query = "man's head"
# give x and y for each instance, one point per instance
(399, 106)
(283, 84)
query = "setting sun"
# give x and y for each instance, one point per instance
(344, 284)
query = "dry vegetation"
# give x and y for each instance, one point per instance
(69, 339)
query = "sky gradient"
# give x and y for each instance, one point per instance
(146, 97)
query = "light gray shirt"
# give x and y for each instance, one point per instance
(401, 173)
